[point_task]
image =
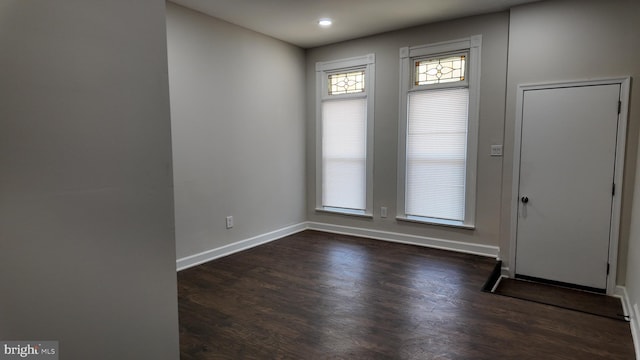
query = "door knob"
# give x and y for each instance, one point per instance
(524, 199)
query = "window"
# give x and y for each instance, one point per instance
(344, 128)
(440, 70)
(438, 132)
(346, 83)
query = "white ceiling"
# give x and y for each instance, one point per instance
(295, 21)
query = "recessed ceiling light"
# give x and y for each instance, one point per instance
(326, 22)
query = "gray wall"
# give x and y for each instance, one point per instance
(494, 31)
(87, 252)
(567, 40)
(237, 106)
(633, 255)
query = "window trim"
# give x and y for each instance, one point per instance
(323, 69)
(473, 45)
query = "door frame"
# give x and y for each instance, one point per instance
(621, 135)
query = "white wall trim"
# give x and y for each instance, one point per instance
(621, 292)
(458, 246)
(633, 313)
(504, 271)
(208, 255)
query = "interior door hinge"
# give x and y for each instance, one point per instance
(613, 189)
(619, 106)
(608, 268)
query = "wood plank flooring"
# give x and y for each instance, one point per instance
(315, 295)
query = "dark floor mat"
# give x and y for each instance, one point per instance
(577, 300)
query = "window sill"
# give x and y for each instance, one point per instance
(434, 221)
(349, 212)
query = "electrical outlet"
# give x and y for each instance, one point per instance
(383, 211)
(496, 150)
(229, 222)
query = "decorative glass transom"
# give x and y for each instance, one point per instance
(440, 70)
(346, 83)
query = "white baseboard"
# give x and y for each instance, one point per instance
(458, 246)
(630, 310)
(621, 292)
(504, 271)
(197, 259)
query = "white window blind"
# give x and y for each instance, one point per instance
(436, 153)
(344, 153)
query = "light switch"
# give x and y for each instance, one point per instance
(496, 150)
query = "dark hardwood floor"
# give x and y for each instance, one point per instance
(315, 295)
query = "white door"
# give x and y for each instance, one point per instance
(567, 158)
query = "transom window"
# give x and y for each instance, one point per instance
(346, 82)
(440, 70)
